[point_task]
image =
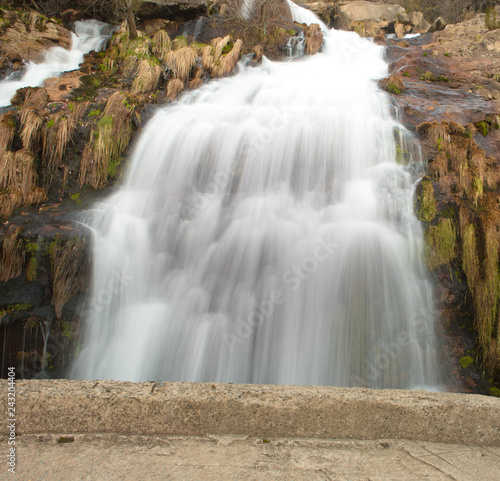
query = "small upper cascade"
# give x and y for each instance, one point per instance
(89, 35)
(303, 15)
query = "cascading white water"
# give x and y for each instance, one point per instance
(265, 234)
(89, 35)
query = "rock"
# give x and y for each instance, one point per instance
(30, 43)
(393, 85)
(380, 39)
(491, 41)
(171, 9)
(151, 26)
(438, 24)
(20, 291)
(324, 10)
(372, 17)
(399, 30)
(258, 53)
(420, 24)
(313, 38)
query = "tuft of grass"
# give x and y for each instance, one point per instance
(107, 143)
(180, 62)
(147, 77)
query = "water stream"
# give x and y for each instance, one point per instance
(265, 233)
(89, 35)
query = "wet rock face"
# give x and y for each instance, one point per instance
(451, 83)
(39, 312)
(29, 35)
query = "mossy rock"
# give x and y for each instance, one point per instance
(440, 244)
(427, 208)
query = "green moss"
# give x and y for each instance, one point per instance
(494, 391)
(426, 201)
(113, 167)
(406, 74)
(95, 112)
(430, 77)
(227, 48)
(76, 197)
(441, 244)
(393, 89)
(448, 212)
(447, 54)
(466, 361)
(67, 329)
(50, 123)
(32, 248)
(483, 128)
(32, 270)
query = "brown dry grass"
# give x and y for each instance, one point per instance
(56, 138)
(31, 97)
(70, 272)
(217, 64)
(161, 45)
(180, 62)
(113, 135)
(31, 125)
(174, 88)
(18, 180)
(7, 131)
(147, 77)
(12, 254)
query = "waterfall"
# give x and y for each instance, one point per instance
(265, 233)
(89, 35)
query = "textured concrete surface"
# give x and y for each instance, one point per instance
(198, 409)
(185, 431)
(112, 457)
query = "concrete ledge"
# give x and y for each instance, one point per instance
(198, 409)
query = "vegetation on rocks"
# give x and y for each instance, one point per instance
(462, 173)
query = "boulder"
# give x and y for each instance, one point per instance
(371, 12)
(393, 85)
(324, 10)
(419, 23)
(491, 41)
(313, 38)
(438, 24)
(369, 18)
(399, 30)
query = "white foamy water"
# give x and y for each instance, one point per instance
(265, 233)
(89, 35)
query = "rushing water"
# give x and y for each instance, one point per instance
(265, 233)
(89, 35)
